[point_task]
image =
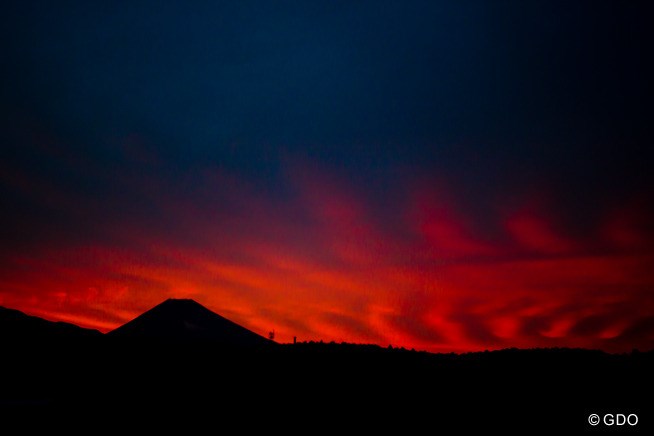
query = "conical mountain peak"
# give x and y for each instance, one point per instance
(186, 319)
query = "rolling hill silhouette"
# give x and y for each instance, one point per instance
(187, 320)
(182, 356)
(18, 326)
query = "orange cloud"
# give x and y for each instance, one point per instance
(320, 265)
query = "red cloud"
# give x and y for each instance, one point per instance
(535, 234)
(318, 264)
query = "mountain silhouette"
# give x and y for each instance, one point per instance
(18, 326)
(181, 356)
(187, 320)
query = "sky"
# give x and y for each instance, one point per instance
(445, 176)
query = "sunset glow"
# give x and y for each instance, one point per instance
(432, 176)
(323, 267)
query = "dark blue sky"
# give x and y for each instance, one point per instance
(112, 113)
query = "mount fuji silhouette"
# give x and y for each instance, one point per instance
(187, 320)
(181, 356)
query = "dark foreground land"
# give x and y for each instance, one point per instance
(80, 378)
(536, 389)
